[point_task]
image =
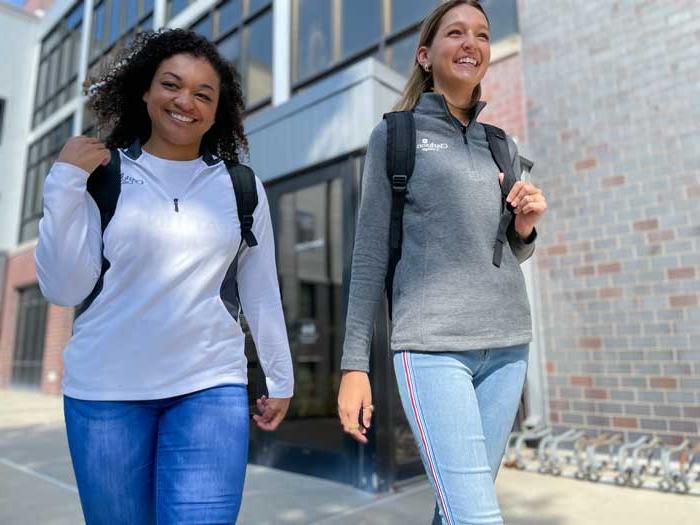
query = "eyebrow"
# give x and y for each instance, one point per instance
(460, 23)
(177, 77)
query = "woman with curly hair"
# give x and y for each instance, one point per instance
(154, 381)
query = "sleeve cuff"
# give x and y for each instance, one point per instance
(281, 391)
(359, 365)
(531, 238)
(70, 169)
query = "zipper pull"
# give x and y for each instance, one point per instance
(177, 208)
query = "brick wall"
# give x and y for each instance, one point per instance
(502, 89)
(613, 120)
(20, 273)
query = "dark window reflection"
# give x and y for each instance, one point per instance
(58, 65)
(230, 48)
(407, 12)
(204, 27)
(229, 15)
(401, 54)
(362, 25)
(310, 249)
(28, 355)
(258, 73)
(42, 154)
(115, 25)
(256, 5)
(503, 16)
(175, 7)
(314, 40)
(311, 278)
(132, 12)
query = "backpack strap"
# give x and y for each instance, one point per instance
(104, 185)
(498, 144)
(245, 188)
(400, 160)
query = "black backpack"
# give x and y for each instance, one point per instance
(104, 185)
(400, 160)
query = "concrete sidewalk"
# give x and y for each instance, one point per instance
(37, 487)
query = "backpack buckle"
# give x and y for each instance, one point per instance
(399, 182)
(247, 222)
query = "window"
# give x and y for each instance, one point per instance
(114, 21)
(58, 65)
(205, 27)
(314, 40)
(230, 14)
(361, 25)
(175, 7)
(257, 66)
(2, 116)
(42, 154)
(230, 48)
(400, 55)
(28, 355)
(407, 13)
(132, 12)
(327, 34)
(503, 16)
(242, 30)
(257, 5)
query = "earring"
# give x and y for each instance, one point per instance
(426, 67)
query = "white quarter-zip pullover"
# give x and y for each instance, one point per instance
(160, 326)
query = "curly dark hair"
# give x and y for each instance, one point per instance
(115, 96)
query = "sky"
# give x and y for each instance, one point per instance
(13, 2)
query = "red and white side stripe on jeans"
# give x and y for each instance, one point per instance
(442, 500)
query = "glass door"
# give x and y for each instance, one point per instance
(313, 218)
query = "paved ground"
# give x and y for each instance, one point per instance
(37, 487)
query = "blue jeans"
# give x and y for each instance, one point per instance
(461, 407)
(177, 460)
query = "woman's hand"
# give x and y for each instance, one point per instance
(529, 204)
(86, 153)
(355, 394)
(272, 412)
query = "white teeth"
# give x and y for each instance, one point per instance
(181, 118)
(467, 60)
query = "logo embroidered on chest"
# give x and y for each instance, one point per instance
(128, 179)
(426, 145)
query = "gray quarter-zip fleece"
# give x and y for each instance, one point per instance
(448, 296)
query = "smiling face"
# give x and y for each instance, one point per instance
(460, 52)
(181, 103)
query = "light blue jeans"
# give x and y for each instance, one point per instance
(461, 407)
(180, 460)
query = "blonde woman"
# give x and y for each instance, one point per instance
(461, 318)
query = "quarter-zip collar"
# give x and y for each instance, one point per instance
(134, 152)
(431, 103)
